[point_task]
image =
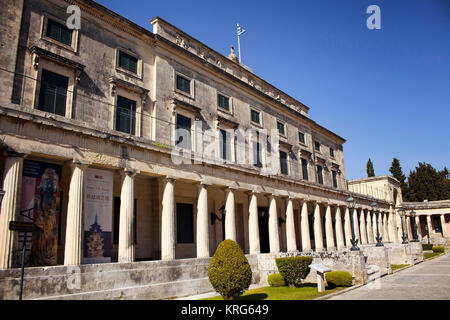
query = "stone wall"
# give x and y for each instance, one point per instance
(410, 253)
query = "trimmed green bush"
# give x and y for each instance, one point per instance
(338, 279)
(427, 246)
(229, 271)
(276, 280)
(438, 249)
(293, 269)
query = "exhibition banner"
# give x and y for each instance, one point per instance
(98, 201)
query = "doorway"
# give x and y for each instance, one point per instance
(263, 223)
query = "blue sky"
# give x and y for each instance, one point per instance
(387, 92)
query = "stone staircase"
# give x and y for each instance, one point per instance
(138, 280)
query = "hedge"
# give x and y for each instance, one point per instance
(293, 269)
(229, 271)
(338, 279)
(276, 280)
(438, 249)
(427, 246)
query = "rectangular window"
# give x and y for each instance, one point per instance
(183, 84)
(255, 116)
(185, 223)
(331, 152)
(223, 102)
(319, 175)
(53, 93)
(257, 156)
(128, 62)
(280, 127)
(116, 209)
(284, 163)
(301, 137)
(317, 146)
(225, 145)
(305, 169)
(59, 32)
(183, 132)
(335, 184)
(126, 115)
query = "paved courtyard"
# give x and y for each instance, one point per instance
(428, 280)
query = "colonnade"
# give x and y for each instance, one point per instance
(335, 234)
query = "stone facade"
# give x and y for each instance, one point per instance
(302, 209)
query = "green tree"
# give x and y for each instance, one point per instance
(369, 168)
(397, 173)
(427, 183)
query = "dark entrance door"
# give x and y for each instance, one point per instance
(263, 222)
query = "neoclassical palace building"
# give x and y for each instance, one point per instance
(123, 144)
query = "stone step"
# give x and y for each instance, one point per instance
(168, 290)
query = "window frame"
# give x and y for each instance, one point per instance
(279, 122)
(315, 146)
(191, 94)
(73, 47)
(303, 168)
(287, 161)
(45, 64)
(334, 179)
(332, 152)
(320, 178)
(138, 73)
(259, 124)
(132, 130)
(304, 138)
(230, 103)
(131, 95)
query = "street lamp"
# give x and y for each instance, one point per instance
(353, 240)
(377, 214)
(2, 193)
(412, 213)
(402, 213)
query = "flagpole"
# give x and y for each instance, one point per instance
(239, 47)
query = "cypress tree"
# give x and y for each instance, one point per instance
(397, 173)
(369, 168)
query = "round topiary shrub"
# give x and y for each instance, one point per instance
(276, 280)
(293, 269)
(438, 249)
(338, 279)
(229, 271)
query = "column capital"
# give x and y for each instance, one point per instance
(129, 172)
(79, 163)
(9, 152)
(168, 178)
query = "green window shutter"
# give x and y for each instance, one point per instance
(53, 93)
(59, 32)
(128, 62)
(183, 84)
(125, 115)
(223, 102)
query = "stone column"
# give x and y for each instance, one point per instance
(399, 228)
(392, 225)
(290, 227)
(347, 228)
(306, 238)
(408, 227)
(374, 225)
(202, 222)
(356, 225)
(329, 228)
(443, 226)
(385, 227)
(318, 236)
(230, 215)
(418, 228)
(338, 228)
(362, 227)
(430, 226)
(253, 227)
(274, 239)
(73, 251)
(370, 237)
(12, 177)
(126, 219)
(168, 220)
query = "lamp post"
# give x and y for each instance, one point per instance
(377, 214)
(353, 240)
(412, 213)
(2, 193)
(402, 213)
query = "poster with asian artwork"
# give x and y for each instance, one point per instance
(98, 201)
(41, 204)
